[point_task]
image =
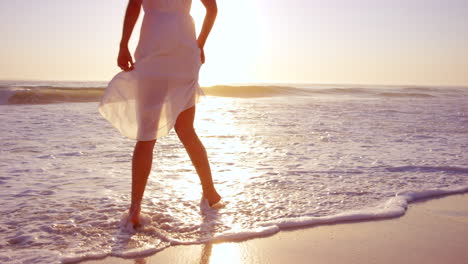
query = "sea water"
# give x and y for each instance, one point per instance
(281, 156)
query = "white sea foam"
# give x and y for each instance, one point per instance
(393, 207)
(280, 162)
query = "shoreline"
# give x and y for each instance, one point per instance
(433, 230)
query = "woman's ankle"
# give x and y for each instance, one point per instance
(212, 197)
(134, 209)
(134, 215)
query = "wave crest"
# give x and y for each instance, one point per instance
(51, 94)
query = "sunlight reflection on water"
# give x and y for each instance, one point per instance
(67, 178)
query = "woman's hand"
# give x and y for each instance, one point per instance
(202, 55)
(125, 61)
(202, 52)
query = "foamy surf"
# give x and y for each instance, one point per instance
(393, 207)
(127, 226)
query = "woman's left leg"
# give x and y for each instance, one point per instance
(197, 153)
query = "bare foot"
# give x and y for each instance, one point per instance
(213, 198)
(134, 216)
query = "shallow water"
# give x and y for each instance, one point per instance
(278, 162)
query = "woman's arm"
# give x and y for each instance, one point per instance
(125, 61)
(210, 16)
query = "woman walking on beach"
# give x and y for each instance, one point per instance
(160, 89)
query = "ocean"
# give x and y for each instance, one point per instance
(282, 155)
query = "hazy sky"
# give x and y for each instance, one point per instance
(423, 42)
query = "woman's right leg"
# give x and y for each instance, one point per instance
(141, 168)
(197, 153)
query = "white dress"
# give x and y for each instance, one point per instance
(144, 103)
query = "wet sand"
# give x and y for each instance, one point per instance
(431, 231)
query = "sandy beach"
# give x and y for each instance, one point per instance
(431, 231)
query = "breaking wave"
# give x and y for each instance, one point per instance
(51, 94)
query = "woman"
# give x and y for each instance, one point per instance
(160, 89)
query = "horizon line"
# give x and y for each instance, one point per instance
(268, 83)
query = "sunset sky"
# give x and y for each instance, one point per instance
(420, 42)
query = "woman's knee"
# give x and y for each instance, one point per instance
(184, 124)
(185, 132)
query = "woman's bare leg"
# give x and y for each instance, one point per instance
(141, 168)
(197, 153)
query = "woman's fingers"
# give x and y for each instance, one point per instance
(125, 61)
(202, 56)
(126, 64)
(122, 63)
(122, 66)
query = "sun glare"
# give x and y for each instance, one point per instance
(225, 253)
(231, 47)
